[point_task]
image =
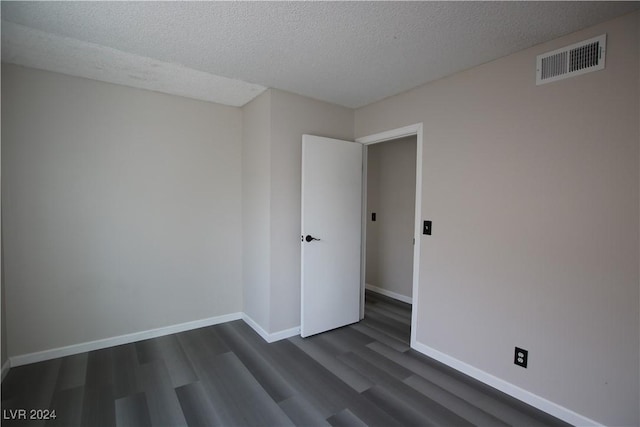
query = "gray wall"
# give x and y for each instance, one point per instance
(256, 207)
(373, 202)
(272, 152)
(121, 209)
(534, 196)
(391, 190)
(4, 356)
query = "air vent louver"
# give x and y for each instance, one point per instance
(569, 61)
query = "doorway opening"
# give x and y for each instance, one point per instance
(392, 177)
(391, 188)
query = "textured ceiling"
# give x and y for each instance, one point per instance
(348, 53)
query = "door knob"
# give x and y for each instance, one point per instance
(310, 238)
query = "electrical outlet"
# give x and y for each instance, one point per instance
(520, 357)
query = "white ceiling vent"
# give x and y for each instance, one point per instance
(570, 61)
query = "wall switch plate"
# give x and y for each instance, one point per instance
(520, 357)
(426, 228)
(373, 216)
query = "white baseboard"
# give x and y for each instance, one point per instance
(5, 369)
(284, 334)
(506, 387)
(389, 294)
(54, 353)
(119, 340)
(273, 337)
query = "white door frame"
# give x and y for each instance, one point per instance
(415, 129)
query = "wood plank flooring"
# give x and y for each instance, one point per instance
(226, 375)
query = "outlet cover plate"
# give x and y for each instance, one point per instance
(521, 357)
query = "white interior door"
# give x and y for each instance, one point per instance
(331, 213)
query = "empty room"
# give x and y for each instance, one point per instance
(320, 213)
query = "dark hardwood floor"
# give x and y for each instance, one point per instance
(363, 374)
